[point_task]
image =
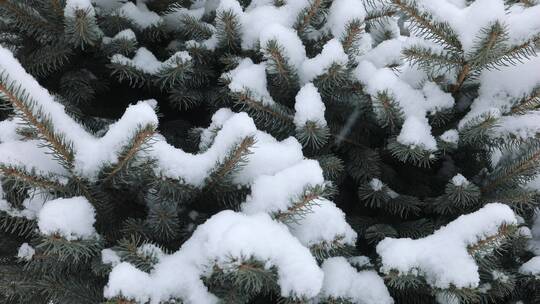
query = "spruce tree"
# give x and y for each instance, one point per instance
(322, 151)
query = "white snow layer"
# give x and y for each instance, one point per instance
(342, 13)
(139, 14)
(71, 218)
(342, 281)
(531, 267)
(26, 252)
(309, 107)
(224, 236)
(74, 5)
(145, 61)
(443, 257)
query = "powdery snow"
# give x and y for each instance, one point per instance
(460, 180)
(450, 136)
(139, 14)
(26, 252)
(342, 13)
(71, 218)
(225, 235)
(332, 52)
(288, 39)
(342, 281)
(443, 257)
(309, 107)
(74, 5)
(252, 77)
(531, 267)
(91, 153)
(145, 61)
(110, 257)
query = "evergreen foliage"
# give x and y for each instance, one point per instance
(326, 95)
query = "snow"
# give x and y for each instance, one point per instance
(225, 236)
(125, 34)
(139, 14)
(325, 224)
(450, 136)
(71, 218)
(342, 13)
(110, 257)
(268, 155)
(531, 267)
(460, 180)
(417, 132)
(90, 153)
(74, 5)
(443, 257)
(414, 103)
(144, 60)
(342, 281)
(376, 184)
(309, 107)
(273, 193)
(261, 15)
(331, 53)
(288, 39)
(252, 77)
(31, 205)
(26, 252)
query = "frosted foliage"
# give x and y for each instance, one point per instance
(309, 107)
(216, 241)
(342, 281)
(443, 257)
(71, 218)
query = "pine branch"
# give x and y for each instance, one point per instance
(307, 16)
(31, 178)
(228, 31)
(427, 27)
(129, 152)
(27, 108)
(529, 103)
(28, 20)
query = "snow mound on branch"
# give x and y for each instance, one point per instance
(342, 13)
(251, 77)
(90, 153)
(332, 52)
(531, 267)
(468, 20)
(145, 61)
(288, 39)
(342, 281)
(309, 106)
(74, 5)
(259, 16)
(71, 218)
(443, 257)
(500, 90)
(267, 156)
(321, 220)
(139, 14)
(216, 242)
(26, 252)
